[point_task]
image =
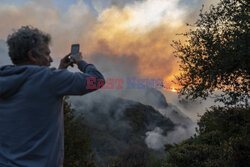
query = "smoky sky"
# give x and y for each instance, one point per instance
(133, 39)
(106, 37)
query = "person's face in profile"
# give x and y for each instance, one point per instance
(41, 56)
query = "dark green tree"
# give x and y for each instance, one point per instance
(223, 139)
(76, 140)
(215, 56)
(136, 156)
(216, 53)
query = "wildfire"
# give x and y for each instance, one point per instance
(142, 32)
(174, 90)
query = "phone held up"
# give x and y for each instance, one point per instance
(74, 50)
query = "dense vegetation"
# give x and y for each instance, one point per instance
(216, 56)
(76, 140)
(223, 139)
(118, 131)
(114, 135)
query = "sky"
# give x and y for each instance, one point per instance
(130, 37)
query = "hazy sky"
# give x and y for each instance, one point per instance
(95, 5)
(132, 34)
(123, 38)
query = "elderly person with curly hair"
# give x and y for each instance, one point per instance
(31, 93)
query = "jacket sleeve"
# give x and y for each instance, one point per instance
(64, 82)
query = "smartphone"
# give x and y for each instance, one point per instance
(75, 49)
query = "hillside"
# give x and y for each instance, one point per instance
(118, 125)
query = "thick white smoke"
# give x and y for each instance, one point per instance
(155, 140)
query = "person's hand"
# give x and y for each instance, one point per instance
(65, 62)
(76, 57)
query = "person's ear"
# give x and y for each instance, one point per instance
(31, 56)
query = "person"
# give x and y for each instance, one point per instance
(31, 96)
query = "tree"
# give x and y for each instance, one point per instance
(223, 139)
(215, 55)
(76, 140)
(136, 156)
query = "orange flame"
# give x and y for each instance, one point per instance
(151, 45)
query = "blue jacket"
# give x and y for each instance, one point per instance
(31, 115)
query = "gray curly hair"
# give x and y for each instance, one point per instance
(24, 40)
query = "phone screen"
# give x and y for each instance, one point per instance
(75, 48)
